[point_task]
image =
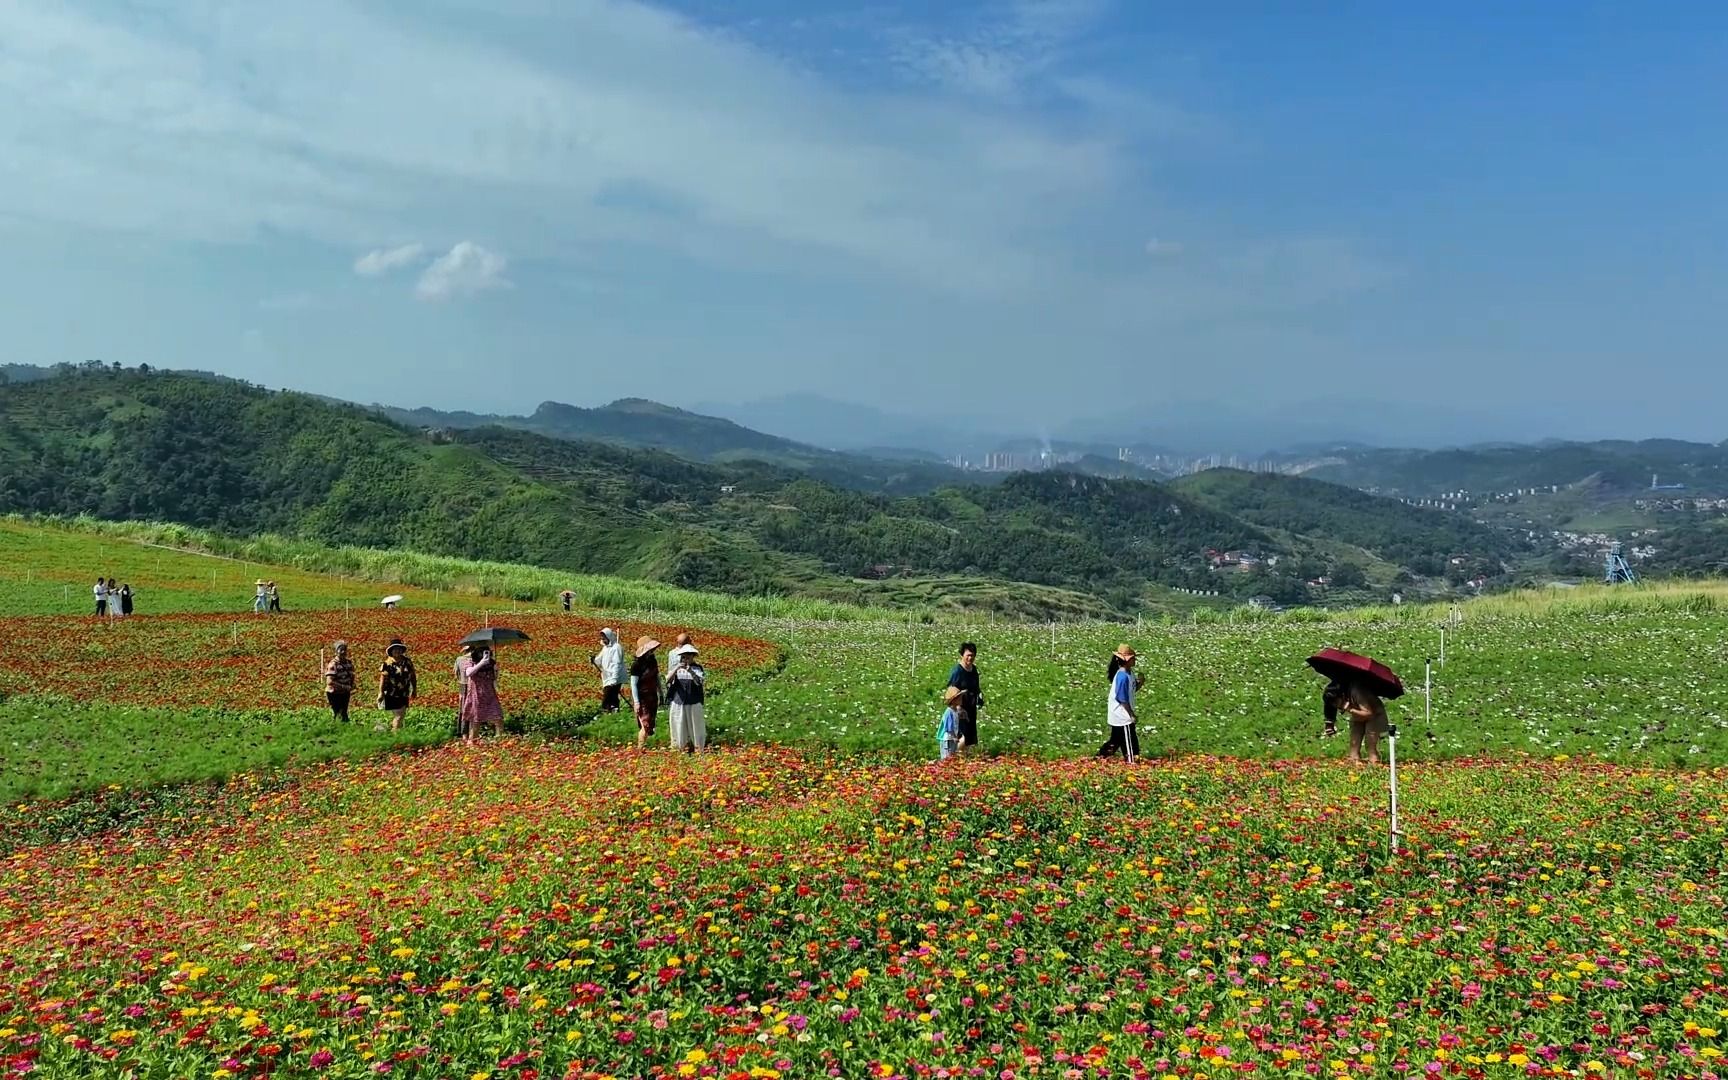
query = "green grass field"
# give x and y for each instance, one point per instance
(1625, 675)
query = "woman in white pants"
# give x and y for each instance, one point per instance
(684, 686)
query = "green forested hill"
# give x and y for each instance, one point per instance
(1620, 466)
(221, 454)
(1406, 536)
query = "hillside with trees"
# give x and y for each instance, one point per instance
(220, 454)
(1422, 541)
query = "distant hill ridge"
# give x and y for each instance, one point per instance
(222, 454)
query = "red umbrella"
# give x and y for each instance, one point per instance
(1348, 667)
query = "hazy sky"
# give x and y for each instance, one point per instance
(1037, 209)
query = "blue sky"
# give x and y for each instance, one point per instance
(1035, 209)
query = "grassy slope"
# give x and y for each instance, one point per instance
(1613, 672)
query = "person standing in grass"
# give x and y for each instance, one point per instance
(948, 730)
(480, 704)
(645, 689)
(275, 598)
(610, 663)
(260, 598)
(101, 592)
(1123, 721)
(685, 686)
(126, 599)
(964, 678)
(397, 683)
(1367, 721)
(339, 681)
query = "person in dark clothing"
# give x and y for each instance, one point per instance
(125, 599)
(1331, 700)
(645, 689)
(964, 678)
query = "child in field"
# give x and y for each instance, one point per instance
(948, 731)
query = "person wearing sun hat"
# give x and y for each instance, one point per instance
(1124, 738)
(685, 690)
(645, 689)
(397, 683)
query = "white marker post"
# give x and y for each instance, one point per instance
(914, 659)
(1442, 646)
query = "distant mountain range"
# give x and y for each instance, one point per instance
(222, 454)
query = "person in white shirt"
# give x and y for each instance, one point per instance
(610, 663)
(101, 591)
(1123, 720)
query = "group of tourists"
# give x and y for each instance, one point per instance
(266, 598)
(111, 599)
(682, 689)
(963, 697)
(398, 682)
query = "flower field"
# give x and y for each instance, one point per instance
(1639, 687)
(167, 699)
(273, 662)
(532, 910)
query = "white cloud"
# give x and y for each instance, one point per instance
(381, 261)
(1159, 246)
(464, 270)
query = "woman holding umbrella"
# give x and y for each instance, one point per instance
(480, 704)
(1367, 720)
(1364, 684)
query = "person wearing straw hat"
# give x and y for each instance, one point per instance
(260, 597)
(397, 683)
(1124, 736)
(684, 696)
(609, 661)
(645, 689)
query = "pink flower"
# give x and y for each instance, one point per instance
(321, 1059)
(1471, 991)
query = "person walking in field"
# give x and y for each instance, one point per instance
(125, 599)
(1367, 715)
(101, 592)
(339, 681)
(685, 685)
(645, 689)
(948, 729)
(480, 704)
(274, 596)
(260, 598)
(964, 678)
(398, 684)
(609, 661)
(1121, 717)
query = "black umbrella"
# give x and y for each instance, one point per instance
(494, 635)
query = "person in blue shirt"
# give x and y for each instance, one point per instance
(948, 731)
(964, 678)
(1124, 738)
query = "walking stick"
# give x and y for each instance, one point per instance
(1392, 779)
